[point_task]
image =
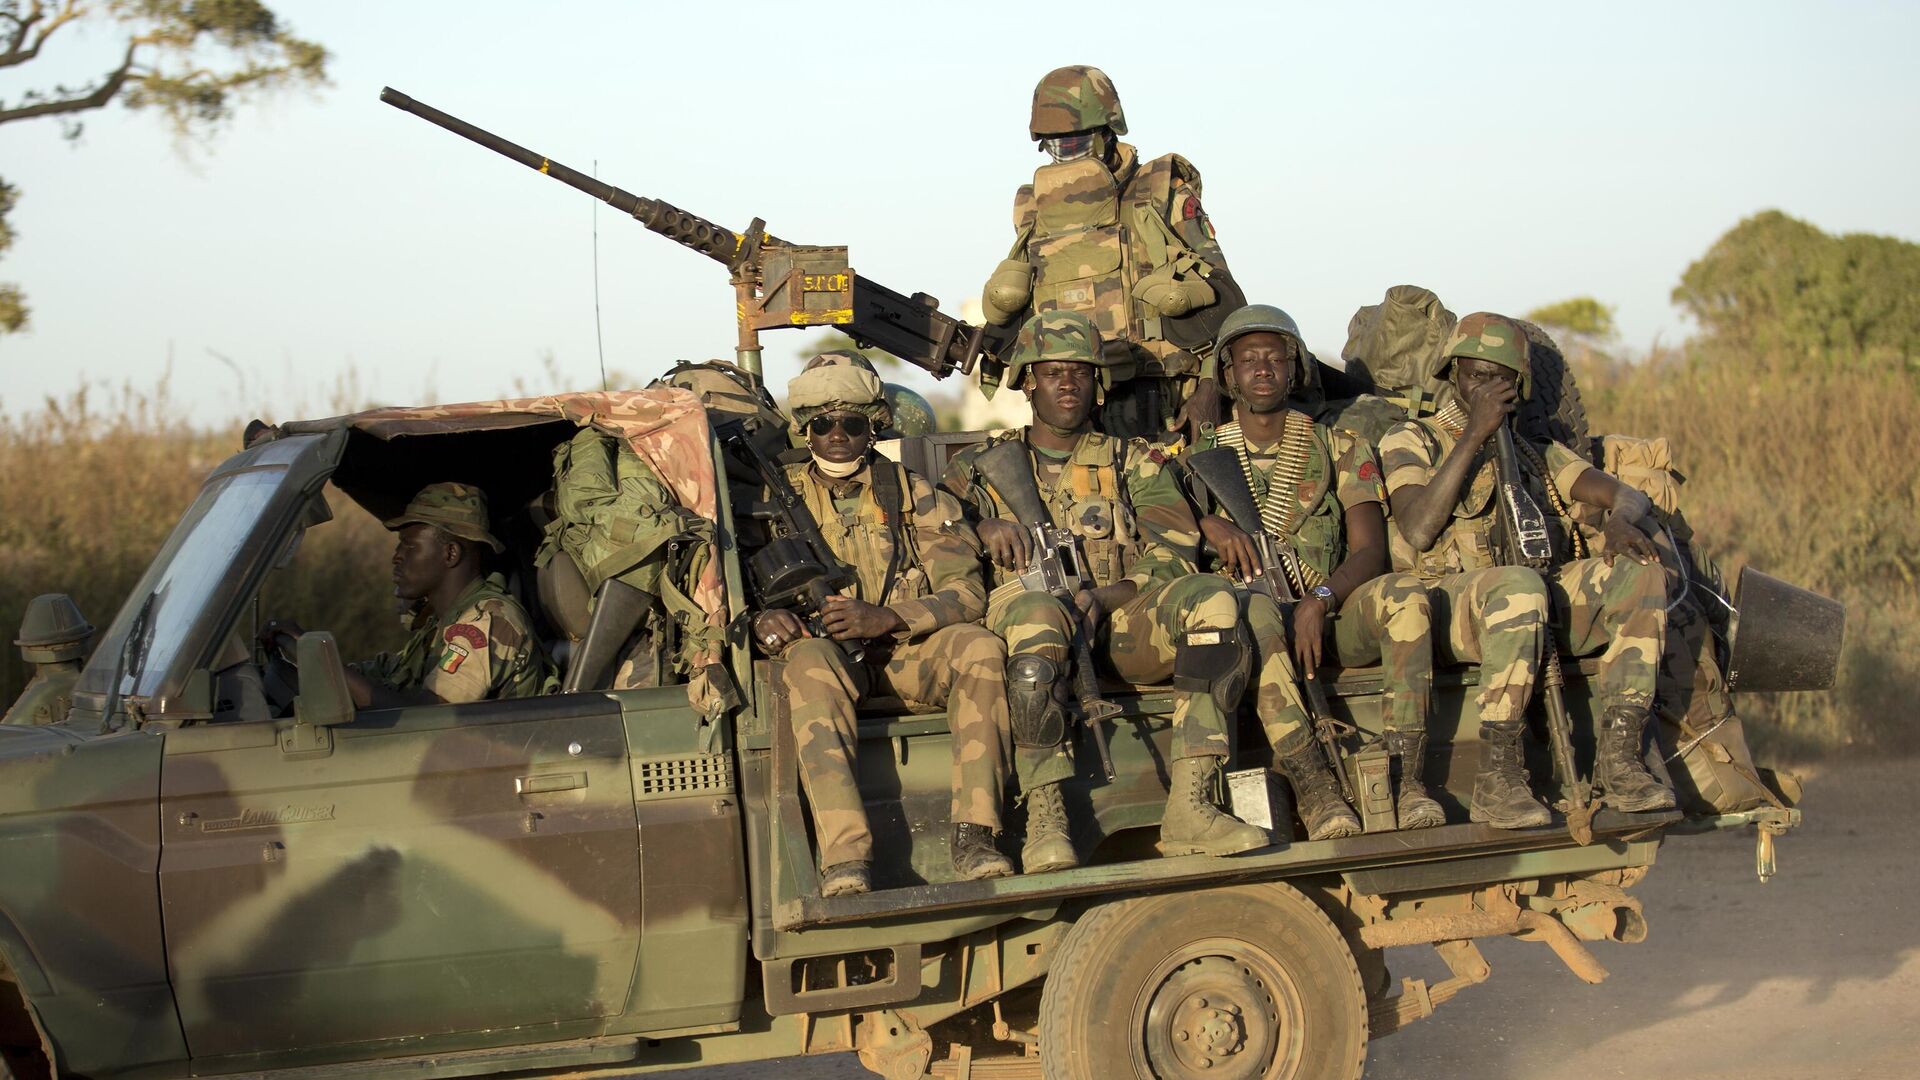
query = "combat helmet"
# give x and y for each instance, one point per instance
(838, 379)
(53, 630)
(1265, 318)
(1078, 97)
(730, 393)
(1059, 335)
(912, 412)
(1493, 338)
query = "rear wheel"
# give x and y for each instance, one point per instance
(1555, 410)
(1235, 984)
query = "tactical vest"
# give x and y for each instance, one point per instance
(1318, 539)
(1089, 499)
(1468, 543)
(1093, 234)
(875, 538)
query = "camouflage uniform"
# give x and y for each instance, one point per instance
(485, 647)
(942, 659)
(54, 639)
(1123, 504)
(1497, 616)
(486, 650)
(1384, 621)
(1123, 242)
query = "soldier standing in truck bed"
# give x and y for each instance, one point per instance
(913, 620)
(1125, 243)
(1441, 478)
(1148, 616)
(1319, 493)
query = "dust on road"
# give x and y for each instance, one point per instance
(1815, 976)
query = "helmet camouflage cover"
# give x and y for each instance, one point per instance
(912, 412)
(839, 379)
(1075, 98)
(1057, 335)
(1492, 338)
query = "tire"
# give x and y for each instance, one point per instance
(1254, 980)
(1554, 411)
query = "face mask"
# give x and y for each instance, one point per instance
(1086, 144)
(838, 470)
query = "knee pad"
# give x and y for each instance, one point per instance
(1038, 718)
(1215, 661)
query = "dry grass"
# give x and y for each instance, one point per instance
(1812, 473)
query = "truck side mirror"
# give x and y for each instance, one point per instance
(324, 699)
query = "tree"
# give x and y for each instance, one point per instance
(1774, 283)
(191, 60)
(1580, 315)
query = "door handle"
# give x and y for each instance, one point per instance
(548, 782)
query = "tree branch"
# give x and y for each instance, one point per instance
(15, 54)
(97, 98)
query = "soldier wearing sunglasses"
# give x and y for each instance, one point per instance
(909, 628)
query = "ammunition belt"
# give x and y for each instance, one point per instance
(1280, 510)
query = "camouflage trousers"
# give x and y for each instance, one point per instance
(1693, 700)
(1135, 643)
(961, 668)
(1496, 617)
(1384, 621)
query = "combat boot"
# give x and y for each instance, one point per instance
(974, 855)
(1316, 795)
(845, 879)
(1620, 772)
(1049, 843)
(1501, 797)
(1413, 807)
(1192, 825)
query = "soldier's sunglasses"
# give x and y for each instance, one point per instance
(854, 426)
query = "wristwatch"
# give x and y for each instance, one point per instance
(1326, 595)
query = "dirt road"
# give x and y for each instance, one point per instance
(1815, 976)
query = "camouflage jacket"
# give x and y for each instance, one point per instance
(1117, 496)
(1092, 234)
(937, 579)
(486, 650)
(1329, 470)
(1411, 452)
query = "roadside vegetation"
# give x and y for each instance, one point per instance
(1797, 427)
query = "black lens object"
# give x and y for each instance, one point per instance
(854, 426)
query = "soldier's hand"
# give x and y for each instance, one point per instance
(847, 619)
(1239, 555)
(1489, 403)
(1006, 543)
(1202, 408)
(774, 630)
(1625, 538)
(1092, 611)
(1309, 634)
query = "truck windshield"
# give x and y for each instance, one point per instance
(197, 560)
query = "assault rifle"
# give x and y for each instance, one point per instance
(1220, 470)
(795, 570)
(1055, 567)
(1522, 540)
(776, 284)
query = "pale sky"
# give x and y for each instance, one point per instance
(1505, 155)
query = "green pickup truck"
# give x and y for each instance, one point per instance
(610, 882)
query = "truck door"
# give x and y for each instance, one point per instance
(430, 871)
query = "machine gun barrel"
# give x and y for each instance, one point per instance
(777, 283)
(716, 242)
(1220, 470)
(1054, 567)
(1524, 541)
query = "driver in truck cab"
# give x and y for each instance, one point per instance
(471, 640)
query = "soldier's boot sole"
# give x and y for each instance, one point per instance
(1046, 853)
(1507, 805)
(990, 866)
(1193, 826)
(1639, 797)
(845, 879)
(1416, 809)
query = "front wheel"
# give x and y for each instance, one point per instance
(1227, 984)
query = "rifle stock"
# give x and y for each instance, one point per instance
(1523, 540)
(1054, 567)
(1220, 470)
(783, 284)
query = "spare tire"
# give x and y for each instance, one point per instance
(1554, 411)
